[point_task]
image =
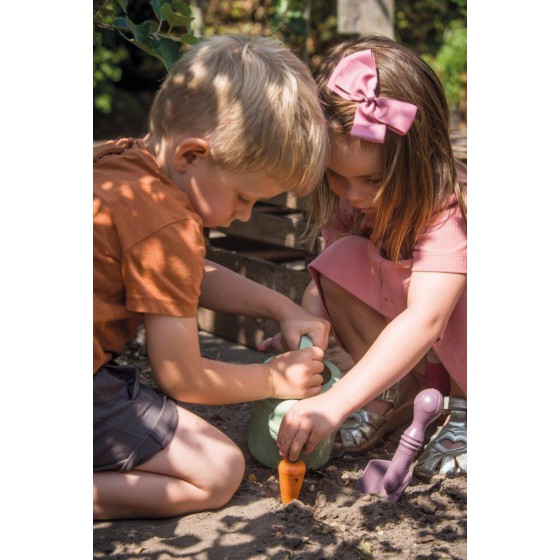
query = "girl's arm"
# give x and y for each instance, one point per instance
(311, 300)
(228, 292)
(400, 346)
(181, 372)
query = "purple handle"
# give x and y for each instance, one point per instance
(428, 405)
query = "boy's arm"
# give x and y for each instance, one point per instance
(181, 372)
(310, 301)
(226, 291)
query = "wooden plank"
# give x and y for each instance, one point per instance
(291, 283)
(258, 250)
(459, 145)
(366, 17)
(288, 200)
(247, 330)
(241, 330)
(282, 231)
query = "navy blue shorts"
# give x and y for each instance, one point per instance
(131, 422)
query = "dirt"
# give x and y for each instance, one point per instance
(330, 520)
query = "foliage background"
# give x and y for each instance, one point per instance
(134, 44)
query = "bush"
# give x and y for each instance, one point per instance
(135, 44)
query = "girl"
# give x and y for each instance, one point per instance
(392, 279)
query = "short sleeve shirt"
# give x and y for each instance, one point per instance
(441, 248)
(148, 246)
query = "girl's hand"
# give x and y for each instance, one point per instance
(294, 324)
(306, 424)
(275, 343)
(297, 374)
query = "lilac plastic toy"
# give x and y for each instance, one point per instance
(390, 478)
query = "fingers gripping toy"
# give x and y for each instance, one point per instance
(264, 423)
(267, 415)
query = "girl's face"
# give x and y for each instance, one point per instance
(354, 171)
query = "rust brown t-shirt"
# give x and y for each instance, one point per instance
(148, 246)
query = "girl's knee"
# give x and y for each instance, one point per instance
(329, 288)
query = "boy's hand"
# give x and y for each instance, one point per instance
(297, 374)
(297, 323)
(306, 424)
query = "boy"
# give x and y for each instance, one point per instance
(236, 120)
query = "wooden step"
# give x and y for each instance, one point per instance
(284, 277)
(266, 224)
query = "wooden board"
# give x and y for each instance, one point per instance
(286, 200)
(281, 230)
(366, 17)
(247, 330)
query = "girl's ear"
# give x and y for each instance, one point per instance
(188, 151)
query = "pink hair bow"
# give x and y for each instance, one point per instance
(355, 79)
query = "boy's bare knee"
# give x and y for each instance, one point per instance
(228, 476)
(233, 469)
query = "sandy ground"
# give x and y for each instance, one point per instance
(331, 519)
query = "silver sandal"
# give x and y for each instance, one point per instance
(363, 430)
(437, 459)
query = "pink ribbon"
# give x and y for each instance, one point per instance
(355, 79)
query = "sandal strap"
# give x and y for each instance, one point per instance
(454, 403)
(436, 457)
(400, 391)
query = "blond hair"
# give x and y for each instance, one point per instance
(420, 170)
(256, 104)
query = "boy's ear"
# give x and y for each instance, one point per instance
(188, 151)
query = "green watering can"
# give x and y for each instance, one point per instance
(267, 415)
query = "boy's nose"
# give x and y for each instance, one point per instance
(243, 215)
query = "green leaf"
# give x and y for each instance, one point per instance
(122, 23)
(103, 103)
(146, 47)
(152, 25)
(123, 4)
(189, 39)
(175, 19)
(183, 9)
(141, 31)
(169, 51)
(169, 15)
(156, 7)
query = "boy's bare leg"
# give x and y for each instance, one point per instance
(200, 469)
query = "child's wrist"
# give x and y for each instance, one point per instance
(281, 308)
(270, 379)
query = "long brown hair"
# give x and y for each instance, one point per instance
(420, 170)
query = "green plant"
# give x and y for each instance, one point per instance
(450, 63)
(136, 43)
(437, 29)
(161, 36)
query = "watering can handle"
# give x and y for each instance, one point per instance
(305, 342)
